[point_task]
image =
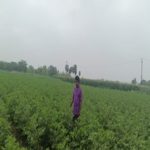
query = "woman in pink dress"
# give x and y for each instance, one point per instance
(76, 99)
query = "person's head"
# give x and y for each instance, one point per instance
(77, 81)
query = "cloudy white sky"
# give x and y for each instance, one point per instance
(105, 38)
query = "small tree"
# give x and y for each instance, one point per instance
(30, 69)
(79, 73)
(70, 70)
(134, 81)
(143, 82)
(67, 68)
(75, 69)
(44, 70)
(52, 70)
(39, 70)
(22, 66)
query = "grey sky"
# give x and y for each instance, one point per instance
(105, 38)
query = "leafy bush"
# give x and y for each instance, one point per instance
(104, 84)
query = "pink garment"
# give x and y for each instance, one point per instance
(77, 98)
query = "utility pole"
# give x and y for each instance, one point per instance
(141, 70)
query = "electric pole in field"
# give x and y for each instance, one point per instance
(141, 70)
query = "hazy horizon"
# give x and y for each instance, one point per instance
(105, 38)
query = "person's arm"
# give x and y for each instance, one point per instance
(81, 99)
(72, 100)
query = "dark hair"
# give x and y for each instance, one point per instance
(77, 78)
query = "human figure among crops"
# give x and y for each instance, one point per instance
(76, 99)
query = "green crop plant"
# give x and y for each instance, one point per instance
(35, 114)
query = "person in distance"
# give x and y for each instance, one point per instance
(77, 99)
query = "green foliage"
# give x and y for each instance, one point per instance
(35, 114)
(4, 130)
(73, 69)
(52, 70)
(104, 84)
(14, 66)
(11, 144)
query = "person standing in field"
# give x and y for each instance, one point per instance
(76, 99)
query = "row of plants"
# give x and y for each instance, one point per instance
(104, 84)
(35, 114)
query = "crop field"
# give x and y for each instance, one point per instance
(35, 114)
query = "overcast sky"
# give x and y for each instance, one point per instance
(105, 38)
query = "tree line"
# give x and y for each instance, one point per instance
(22, 66)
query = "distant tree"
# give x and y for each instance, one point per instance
(22, 66)
(143, 82)
(79, 73)
(134, 81)
(67, 68)
(13, 66)
(70, 70)
(4, 65)
(1, 65)
(44, 70)
(52, 70)
(8, 66)
(38, 70)
(75, 69)
(30, 69)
